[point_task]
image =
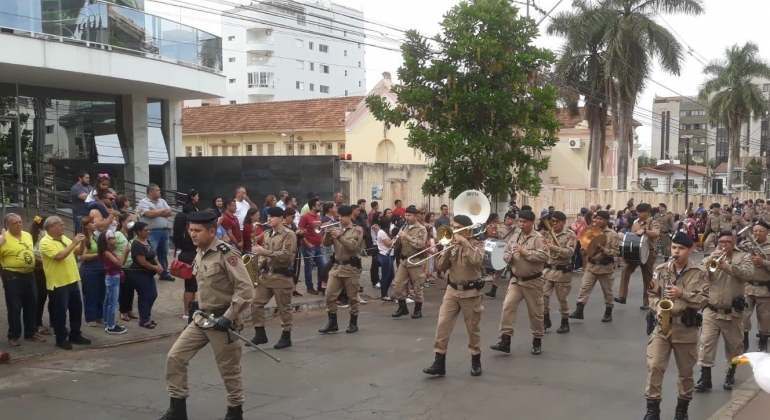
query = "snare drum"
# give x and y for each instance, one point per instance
(493, 254)
(634, 248)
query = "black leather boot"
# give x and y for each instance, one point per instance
(402, 309)
(578, 314)
(417, 310)
(607, 315)
(681, 409)
(564, 327)
(234, 413)
(504, 345)
(476, 365)
(260, 337)
(653, 410)
(353, 327)
(763, 343)
(704, 383)
(492, 292)
(284, 342)
(332, 326)
(547, 321)
(729, 378)
(177, 410)
(438, 367)
(536, 346)
(620, 300)
(746, 341)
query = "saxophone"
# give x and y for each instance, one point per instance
(251, 260)
(665, 305)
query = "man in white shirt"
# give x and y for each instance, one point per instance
(154, 211)
(242, 204)
(282, 199)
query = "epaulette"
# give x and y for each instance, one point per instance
(225, 248)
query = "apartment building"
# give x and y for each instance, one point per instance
(678, 116)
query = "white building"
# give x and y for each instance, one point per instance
(288, 50)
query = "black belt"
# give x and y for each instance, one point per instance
(282, 271)
(9, 274)
(603, 261)
(565, 268)
(532, 277)
(717, 310)
(219, 312)
(343, 262)
(758, 284)
(474, 285)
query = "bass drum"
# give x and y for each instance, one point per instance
(634, 248)
(494, 250)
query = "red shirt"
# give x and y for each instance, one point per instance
(401, 211)
(308, 222)
(231, 223)
(248, 235)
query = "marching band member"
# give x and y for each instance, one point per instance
(411, 239)
(527, 252)
(723, 314)
(665, 220)
(601, 268)
(686, 285)
(558, 272)
(505, 231)
(758, 290)
(463, 294)
(643, 226)
(712, 226)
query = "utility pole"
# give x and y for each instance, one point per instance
(687, 137)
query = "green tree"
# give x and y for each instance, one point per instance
(474, 102)
(645, 161)
(754, 175)
(732, 95)
(647, 185)
(8, 137)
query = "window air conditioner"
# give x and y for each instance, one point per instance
(575, 144)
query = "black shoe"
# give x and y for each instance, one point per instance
(80, 340)
(296, 294)
(476, 365)
(402, 309)
(312, 291)
(745, 341)
(284, 341)
(704, 383)
(564, 328)
(417, 314)
(177, 410)
(353, 327)
(64, 345)
(166, 277)
(578, 314)
(681, 409)
(547, 321)
(234, 413)
(332, 326)
(536, 346)
(763, 343)
(260, 337)
(492, 292)
(504, 345)
(607, 315)
(729, 378)
(438, 367)
(653, 410)
(644, 307)
(621, 301)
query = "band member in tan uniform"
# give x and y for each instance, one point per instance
(644, 225)
(712, 226)
(345, 271)
(527, 252)
(601, 268)
(225, 290)
(724, 312)
(558, 270)
(506, 231)
(278, 280)
(665, 220)
(463, 294)
(758, 290)
(686, 285)
(411, 239)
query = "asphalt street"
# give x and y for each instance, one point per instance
(596, 372)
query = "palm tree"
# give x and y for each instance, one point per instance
(633, 41)
(735, 97)
(580, 72)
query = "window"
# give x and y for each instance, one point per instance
(312, 66)
(289, 150)
(300, 64)
(359, 83)
(249, 149)
(188, 151)
(310, 45)
(301, 150)
(323, 48)
(232, 102)
(271, 149)
(235, 151)
(359, 64)
(312, 87)
(324, 89)
(346, 73)
(231, 59)
(346, 53)
(359, 45)
(198, 150)
(259, 150)
(324, 69)
(298, 43)
(344, 33)
(766, 87)
(232, 81)
(231, 38)
(300, 85)
(224, 150)
(346, 92)
(214, 151)
(329, 149)
(261, 79)
(49, 129)
(313, 149)
(341, 147)
(301, 20)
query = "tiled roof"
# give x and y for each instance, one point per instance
(651, 169)
(310, 114)
(700, 170)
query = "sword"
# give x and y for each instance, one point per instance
(209, 323)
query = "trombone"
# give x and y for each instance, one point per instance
(326, 228)
(545, 221)
(751, 245)
(445, 234)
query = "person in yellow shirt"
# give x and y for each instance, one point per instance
(62, 278)
(17, 258)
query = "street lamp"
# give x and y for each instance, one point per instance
(687, 137)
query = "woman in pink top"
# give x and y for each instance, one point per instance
(106, 245)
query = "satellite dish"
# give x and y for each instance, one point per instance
(697, 159)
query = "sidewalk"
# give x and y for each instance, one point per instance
(748, 402)
(757, 408)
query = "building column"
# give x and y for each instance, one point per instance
(171, 112)
(135, 142)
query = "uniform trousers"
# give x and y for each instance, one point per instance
(405, 275)
(731, 331)
(227, 353)
(665, 241)
(337, 285)
(451, 307)
(659, 352)
(606, 281)
(262, 296)
(647, 269)
(562, 289)
(708, 241)
(532, 295)
(762, 306)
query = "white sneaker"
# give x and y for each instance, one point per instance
(409, 300)
(377, 286)
(185, 317)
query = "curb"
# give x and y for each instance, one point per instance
(740, 398)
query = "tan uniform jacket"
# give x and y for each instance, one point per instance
(738, 223)
(651, 226)
(463, 263)
(414, 242)
(531, 257)
(280, 249)
(764, 215)
(724, 286)
(346, 246)
(712, 223)
(761, 276)
(611, 250)
(223, 281)
(506, 232)
(750, 213)
(666, 222)
(562, 256)
(693, 281)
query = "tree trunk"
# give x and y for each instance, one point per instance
(624, 142)
(730, 167)
(595, 159)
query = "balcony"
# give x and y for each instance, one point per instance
(260, 60)
(259, 40)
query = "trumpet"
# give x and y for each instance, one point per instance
(326, 228)
(445, 235)
(716, 259)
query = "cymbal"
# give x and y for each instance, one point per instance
(588, 234)
(596, 242)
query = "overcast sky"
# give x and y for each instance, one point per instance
(725, 23)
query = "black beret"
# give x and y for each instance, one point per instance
(725, 233)
(604, 214)
(663, 205)
(643, 207)
(559, 216)
(347, 211)
(463, 220)
(412, 210)
(275, 212)
(763, 224)
(201, 217)
(683, 239)
(715, 205)
(527, 215)
(510, 215)
(525, 207)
